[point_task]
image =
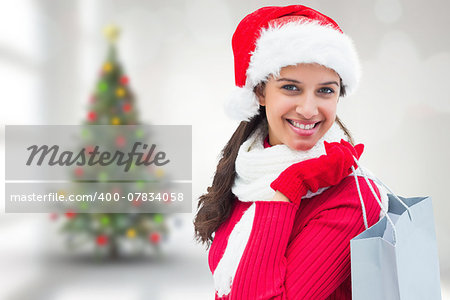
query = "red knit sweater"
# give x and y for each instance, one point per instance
(298, 252)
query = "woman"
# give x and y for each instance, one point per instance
(282, 206)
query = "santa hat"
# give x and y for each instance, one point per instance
(275, 37)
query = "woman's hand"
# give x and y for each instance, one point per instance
(312, 174)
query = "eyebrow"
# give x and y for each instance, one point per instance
(296, 81)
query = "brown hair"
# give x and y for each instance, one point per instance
(215, 206)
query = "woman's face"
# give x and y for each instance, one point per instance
(300, 104)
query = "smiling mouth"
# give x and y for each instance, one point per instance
(303, 126)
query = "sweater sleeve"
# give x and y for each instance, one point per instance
(313, 264)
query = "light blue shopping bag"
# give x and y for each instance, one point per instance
(397, 257)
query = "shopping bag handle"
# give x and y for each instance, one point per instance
(376, 197)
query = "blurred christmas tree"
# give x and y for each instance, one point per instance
(114, 234)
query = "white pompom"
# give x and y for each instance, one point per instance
(242, 104)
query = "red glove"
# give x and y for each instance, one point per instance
(312, 174)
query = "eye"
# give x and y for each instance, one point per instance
(290, 87)
(326, 90)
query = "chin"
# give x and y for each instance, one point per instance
(301, 146)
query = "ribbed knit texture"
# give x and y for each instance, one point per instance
(298, 252)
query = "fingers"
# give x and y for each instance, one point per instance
(359, 150)
(345, 151)
(350, 152)
(348, 146)
(332, 148)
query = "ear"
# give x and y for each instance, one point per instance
(259, 92)
(261, 99)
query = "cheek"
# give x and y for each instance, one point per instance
(329, 109)
(275, 110)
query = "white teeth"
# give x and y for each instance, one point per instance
(302, 126)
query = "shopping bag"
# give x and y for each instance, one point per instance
(397, 257)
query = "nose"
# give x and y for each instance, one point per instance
(307, 106)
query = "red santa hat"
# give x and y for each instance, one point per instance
(275, 37)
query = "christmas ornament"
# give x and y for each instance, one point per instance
(102, 86)
(89, 149)
(107, 67)
(131, 233)
(123, 80)
(158, 218)
(102, 240)
(105, 221)
(116, 190)
(139, 133)
(85, 133)
(126, 107)
(155, 237)
(70, 214)
(115, 121)
(136, 203)
(92, 116)
(111, 32)
(79, 171)
(120, 92)
(120, 141)
(53, 216)
(103, 176)
(159, 172)
(140, 184)
(84, 205)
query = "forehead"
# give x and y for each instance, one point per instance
(308, 69)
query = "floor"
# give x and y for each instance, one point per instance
(35, 265)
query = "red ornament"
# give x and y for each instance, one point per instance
(168, 200)
(102, 240)
(53, 216)
(136, 203)
(79, 171)
(92, 99)
(155, 237)
(70, 214)
(120, 141)
(89, 149)
(124, 80)
(92, 116)
(116, 190)
(126, 107)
